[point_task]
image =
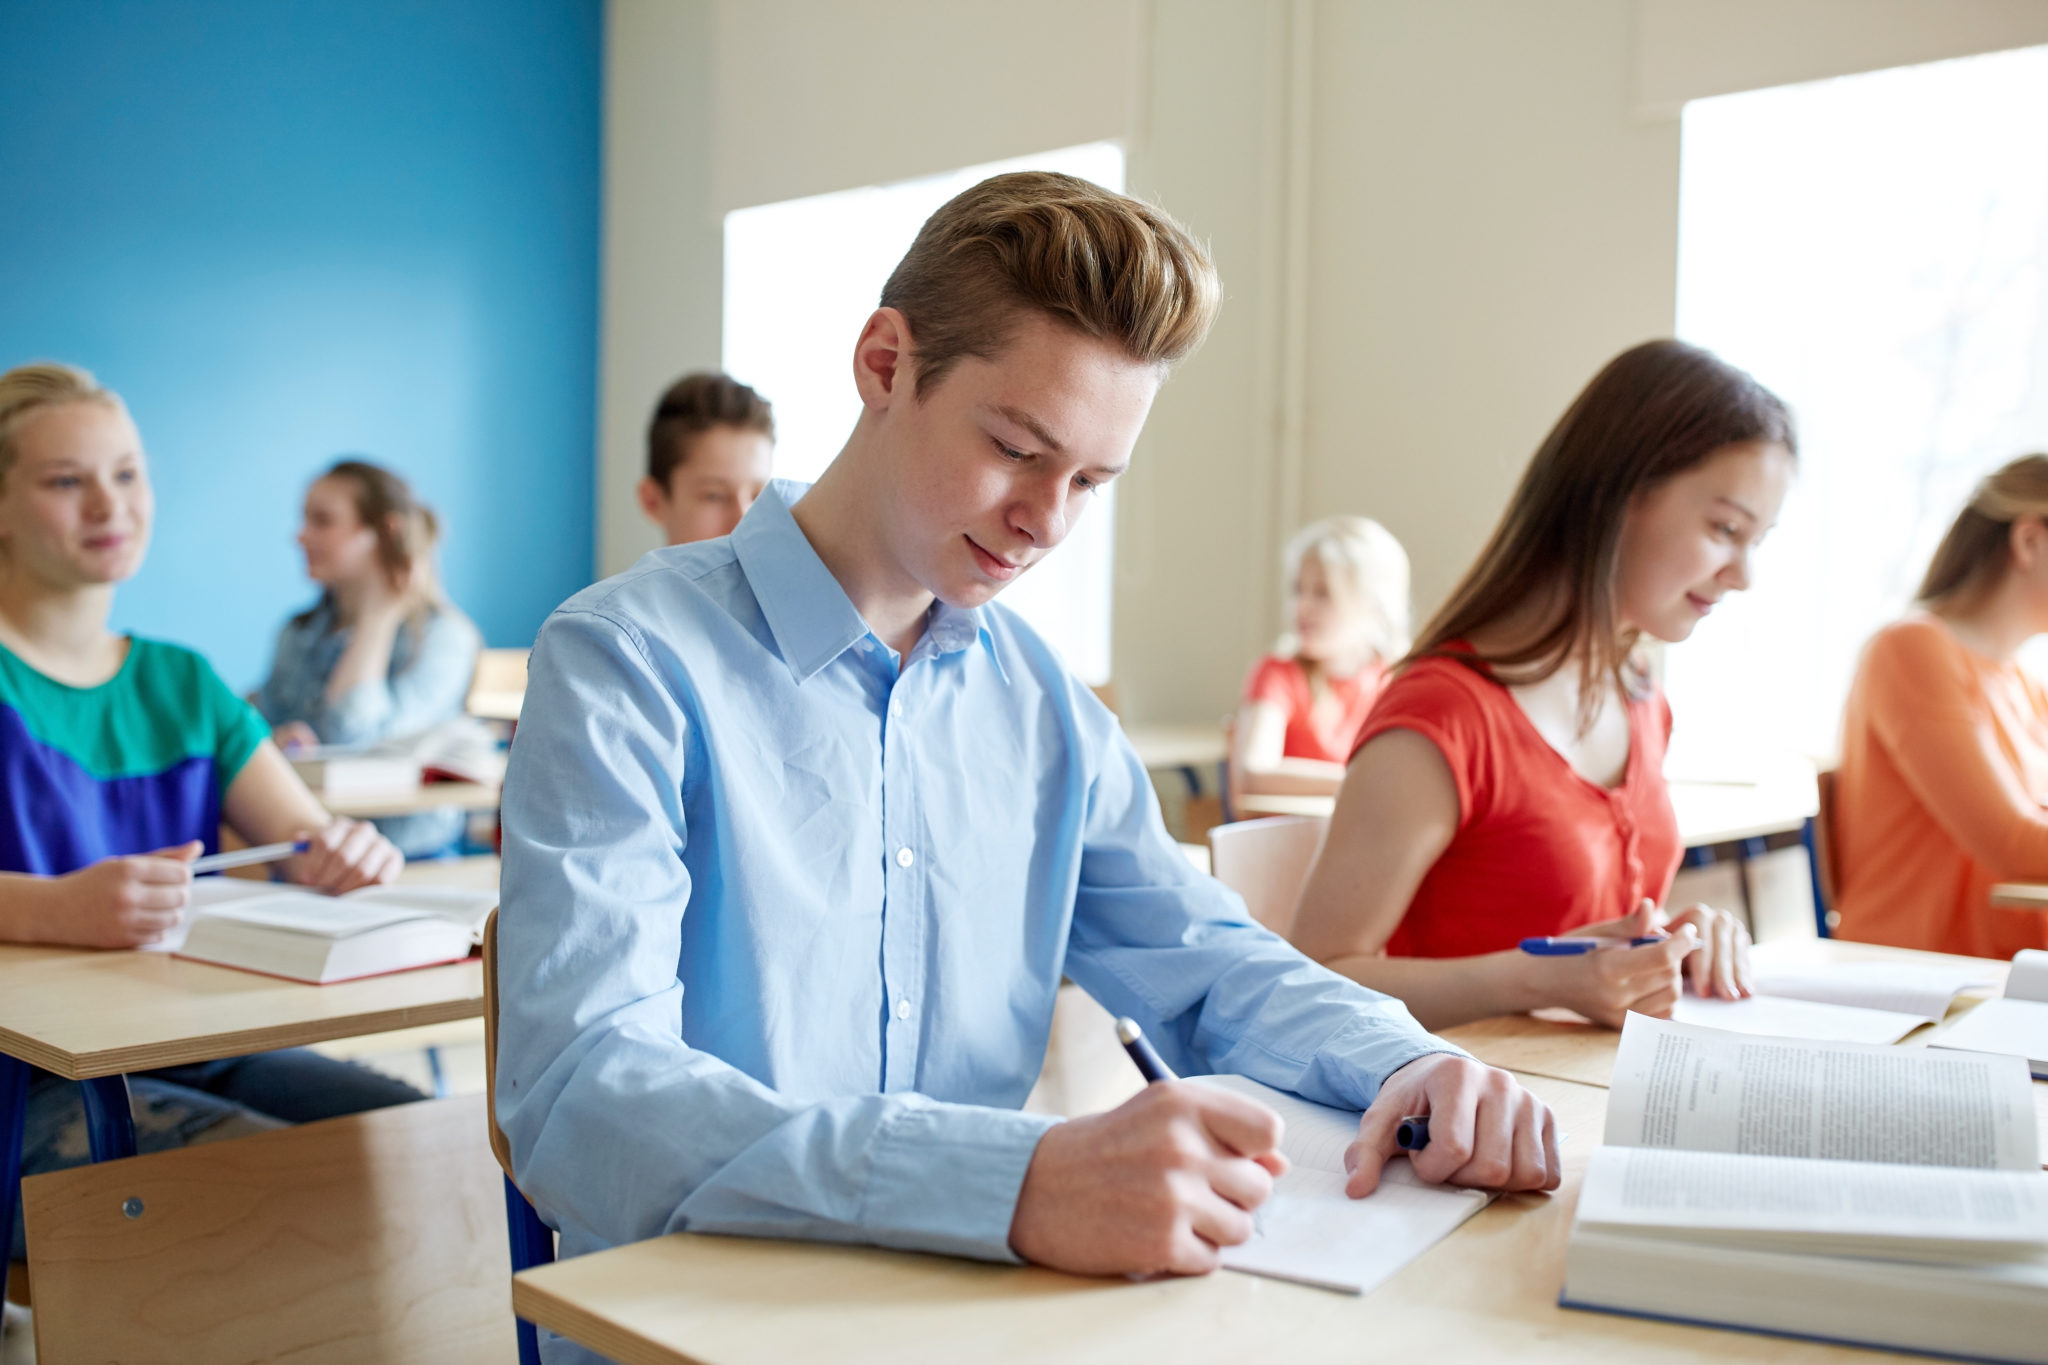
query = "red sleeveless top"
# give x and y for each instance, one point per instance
(1538, 849)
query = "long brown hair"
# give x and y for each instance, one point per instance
(1655, 411)
(406, 530)
(1973, 554)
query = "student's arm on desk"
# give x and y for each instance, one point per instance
(267, 803)
(1950, 756)
(620, 1130)
(1396, 814)
(1259, 755)
(1158, 941)
(114, 903)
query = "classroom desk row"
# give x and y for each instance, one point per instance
(1487, 1292)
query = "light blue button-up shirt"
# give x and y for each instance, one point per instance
(784, 915)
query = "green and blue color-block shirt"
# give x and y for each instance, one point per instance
(138, 763)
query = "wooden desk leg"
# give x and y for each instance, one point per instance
(13, 1119)
(109, 1122)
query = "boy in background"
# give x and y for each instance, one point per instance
(708, 451)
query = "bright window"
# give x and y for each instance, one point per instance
(1875, 249)
(800, 279)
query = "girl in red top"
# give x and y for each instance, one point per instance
(1508, 782)
(1347, 583)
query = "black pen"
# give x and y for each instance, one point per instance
(1413, 1134)
(1149, 1064)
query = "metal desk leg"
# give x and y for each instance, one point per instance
(13, 1118)
(109, 1124)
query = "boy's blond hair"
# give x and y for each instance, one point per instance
(1105, 264)
(29, 388)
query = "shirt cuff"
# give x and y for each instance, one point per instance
(945, 1178)
(1355, 1063)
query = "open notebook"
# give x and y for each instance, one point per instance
(2016, 1024)
(1311, 1232)
(1884, 1196)
(1861, 1002)
(304, 936)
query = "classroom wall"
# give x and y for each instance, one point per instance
(287, 231)
(1434, 222)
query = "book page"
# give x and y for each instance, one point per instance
(208, 893)
(1643, 1186)
(466, 904)
(2029, 978)
(1925, 990)
(2015, 1027)
(306, 912)
(1780, 1017)
(1679, 1085)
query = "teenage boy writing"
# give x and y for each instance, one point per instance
(800, 834)
(709, 444)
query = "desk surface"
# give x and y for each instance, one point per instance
(1177, 746)
(80, 1012)
(429, 796)
(1488, 1292)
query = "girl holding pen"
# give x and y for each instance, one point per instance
(1508, 783)
(121, 757)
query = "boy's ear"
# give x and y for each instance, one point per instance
(653, 499)
(882, 363)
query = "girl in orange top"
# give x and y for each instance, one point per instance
(1508, 782)
(1945, 741)
(1348, 592)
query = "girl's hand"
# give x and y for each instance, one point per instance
(121, 902)
(1721, 966)
(1605, 985)
(347, 854)
(1646, 920)
(294, 735)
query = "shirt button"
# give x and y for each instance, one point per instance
(902, 1009)
(896, 710)
(904, 857)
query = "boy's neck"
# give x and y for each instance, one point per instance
(59, 630)
(836, 518)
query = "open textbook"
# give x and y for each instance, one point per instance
(1884, 1196)
(462, 749)
(2016, 1023)
(1860, 1002)
(305, 936)
(1311, 1232)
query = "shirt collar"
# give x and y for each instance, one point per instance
(810, 615)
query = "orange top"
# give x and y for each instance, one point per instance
(1314, 731)
(1944, 772)
(1538, 849)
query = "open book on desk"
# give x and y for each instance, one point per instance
(305, 936)
(1887, 1197)
(2015, 1024)
(1311, 1232)
(1858, 1002)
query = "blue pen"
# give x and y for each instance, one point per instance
(1149, 1064)
(1413, 1134)
(1573, 947)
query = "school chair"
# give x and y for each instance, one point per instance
(498, 686)
(1818, 838)
(533, 1242)
(1267, 862)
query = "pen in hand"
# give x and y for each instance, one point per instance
(1148, 1060)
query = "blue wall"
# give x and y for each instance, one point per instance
(287, 229)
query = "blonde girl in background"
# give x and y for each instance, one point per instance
(1945, 740)
(1347, 592)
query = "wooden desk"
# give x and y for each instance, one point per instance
(1487, 1292)
(429, 796)
(1270, 803)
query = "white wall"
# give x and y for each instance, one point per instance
(1434, 221)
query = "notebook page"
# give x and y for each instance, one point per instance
(1315, 1136)
(1652, 1187)
(2015, 1027)
(1780, 1017)
(1680, 1085)
(1311, 1232)
(1925, 990)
